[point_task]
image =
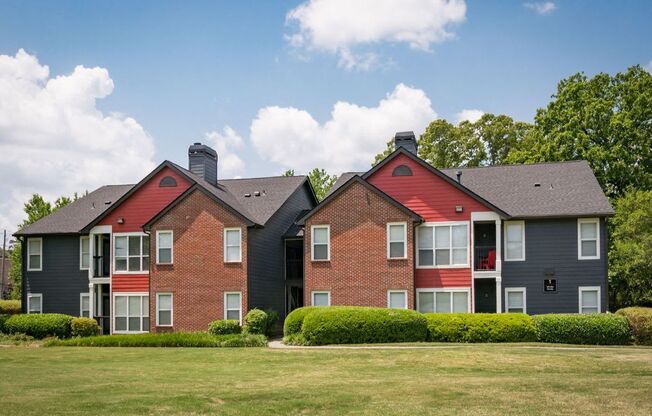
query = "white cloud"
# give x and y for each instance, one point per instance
(648, 67)
(53, 139)
(226, 144)
(340, 26)
(542, 7)
(348, 141)
(471, 115)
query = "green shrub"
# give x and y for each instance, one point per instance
(84, 327)
(640, 323)
(224, 327)
(295, 339)
(9, 307)
(15, 339)
(3, 319)
(272, 320)
(594, 329)
(40, 325)
(169, 340)
(480, 327)
(358, 325)
(294, 320)
(255, 322)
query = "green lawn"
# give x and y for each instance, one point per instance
(478, 379)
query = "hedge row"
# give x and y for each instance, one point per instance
(39, 325)
(640, 323)
(175, 339)
(480, 327)
(10, 307)
(597, 329)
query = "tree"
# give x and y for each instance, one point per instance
(321, 182)
(289, 172)
(630, 256)
(606, 120)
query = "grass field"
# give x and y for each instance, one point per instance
(456, 380)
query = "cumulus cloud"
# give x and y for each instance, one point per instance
(471, 115)
(53, 139)
(648, 67)
(227, 143)
(542, 7)
(349, 140)
(342, 26)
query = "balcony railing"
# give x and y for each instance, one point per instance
(485, 258)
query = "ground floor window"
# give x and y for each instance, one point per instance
(589, 299)
(131, 313)
(84, 305)
(164, 309)
(321, 298)
(397, 299)
(443, 300)
(34, 303)
(515, 300)
(233, 306)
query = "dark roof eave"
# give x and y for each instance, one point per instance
(572, 215)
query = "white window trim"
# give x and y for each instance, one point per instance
(389, 293)
(328, 242)
(113, 316)
(158, 246)
(226, 308)
(446, 224)
(319, 292)
(522, 223)
(515, 290)
(30, 296)
(171, 308)
(446, 290)
(81, 252)
(29, 268)
(81, 304)
(581, 221)
(404, 240)
(589, 289)
(113, 260)
(239, 230)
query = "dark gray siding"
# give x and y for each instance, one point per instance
(60, 282)
(266, 254)
(551, 245)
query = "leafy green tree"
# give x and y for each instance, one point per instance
(289, 172)
(321, 182)
(630, 256)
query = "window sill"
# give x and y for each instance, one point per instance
(588, 258)
(320, 261)
(444, 267)
(233, 262)
(397, 258)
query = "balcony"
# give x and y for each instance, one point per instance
(484, 248)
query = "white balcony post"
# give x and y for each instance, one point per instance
(499, 291)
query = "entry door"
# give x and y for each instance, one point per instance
(485, 295)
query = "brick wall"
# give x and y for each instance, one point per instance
(359, 272)
(198, 276)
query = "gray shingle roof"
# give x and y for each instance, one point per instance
(342, 179)
(76, 215)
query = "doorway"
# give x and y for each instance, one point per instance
(485, 295)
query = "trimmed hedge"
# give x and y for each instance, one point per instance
(294, 320)
(593, 329)
(359, 325)
(480, 327)
(224, 327)
(175, 339)
(272, 320)
(84, 327)
(10, 307)
(640, 323)
(3, 319)
(255, 322)
(40, 325)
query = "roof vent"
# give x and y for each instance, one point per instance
(107, 202)
(459, 176)
(537, 185)
(257, 193)
(247, 195)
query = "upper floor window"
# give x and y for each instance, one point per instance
(164, 247)
(402, 170)
(131, 253)
(514, 240)
(445, 245)
(84, 252)
(515, 299)
(34, 254)
(34, 303)
(320, 242)
(588, 238)
(232, 245)
(396, 240)
(167, 181)
(589, 299)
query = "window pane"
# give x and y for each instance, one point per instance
(515, 300)
(165, 240)
(164, 255)
(85, 258)
(514, 250)
(84, 303)
(34, 246)
(121, 264)
(165, 318)
(34, 304)
(514, 232)
(589, 248)
(233, 315)
(320, 299)
(145, 309)
(120, 305)
(232, 253)
(443, 302)
(145, 244)
(425, 258)
(442, 237)
(134, 264)
(233, 301)
(425, 237)
(426, 302)
(120, 324)
(232, 238)
(84, 261)
(589, 230)
(459, 236)
(590, 298)
(459, 256)
(442, 257)
(320, 235)
(589, 310)
(120, 246)
(396, 232)
(396, 250)
(146, 263)
(397, 300)
(134, 246)
(34, 261)
(165, 302)
(460, 302)
(321, 251)
(134, 305)
(145, 323)
(134, 323)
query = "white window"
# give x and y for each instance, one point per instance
(34, 254)
(589, 299)
(321, 242)
(445, 245)
(514, 240)
(164, 247)
(443, 300)
(164, 309)
(131, 313)
(131, 253)
(232, 245)
(515, 300)
(397, 299)
(233, 306)
(34, 303)
(84, 252)
(84, 305)
(588, 238)
(396, 240)
(321, 298)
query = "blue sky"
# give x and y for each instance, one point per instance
(185, 69)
